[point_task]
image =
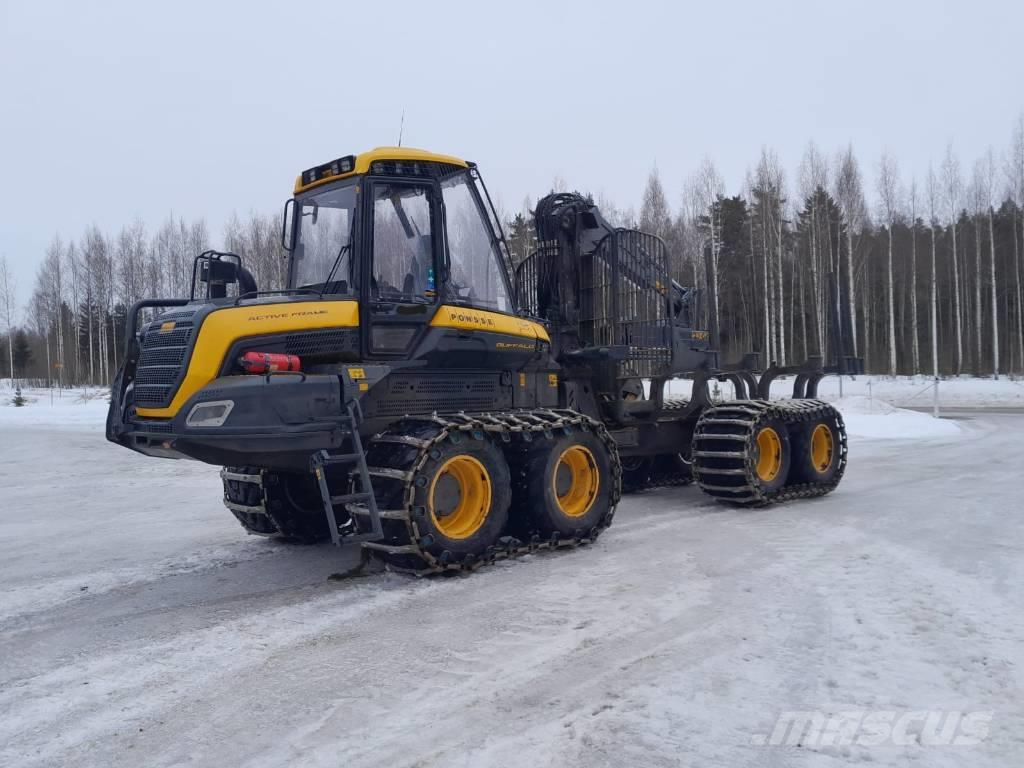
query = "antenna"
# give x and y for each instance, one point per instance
(401, 127)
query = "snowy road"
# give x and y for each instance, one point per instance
(140, 627)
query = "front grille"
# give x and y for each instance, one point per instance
(162, 359)
(162, 356)
(162, 375)
(158, 427)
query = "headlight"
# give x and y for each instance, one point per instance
(212, 414)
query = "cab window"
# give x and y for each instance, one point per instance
(403, 245)
(477, 276)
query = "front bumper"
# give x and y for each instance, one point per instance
(277, 422)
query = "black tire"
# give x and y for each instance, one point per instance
(677, 468)
(816, 459)
(782, 452)
(538, 508)
(636, 472)
(447, 488)
(251, 495)
(292, 501)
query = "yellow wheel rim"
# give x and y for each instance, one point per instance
(575, 481)
(821, 448)
(769, 454)
(460, 497)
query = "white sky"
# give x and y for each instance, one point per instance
(116, 109)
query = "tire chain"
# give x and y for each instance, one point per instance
(516, 430)
(270, 516)
(755, 413)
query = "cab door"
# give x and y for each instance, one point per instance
(401, 283)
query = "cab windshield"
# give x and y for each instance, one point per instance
(322, 257)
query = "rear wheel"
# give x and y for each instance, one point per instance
(565, 487)
(817, 450)
(772, 455)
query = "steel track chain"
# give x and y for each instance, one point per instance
(743, 419)
(513, 430)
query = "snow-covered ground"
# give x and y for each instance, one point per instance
(140, 627)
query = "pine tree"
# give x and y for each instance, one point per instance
(22, 353)
(18, 400)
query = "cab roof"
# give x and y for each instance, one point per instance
(355, 165)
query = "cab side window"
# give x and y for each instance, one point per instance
(403, 245)
(477, 276)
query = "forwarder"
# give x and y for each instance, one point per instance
(413, 390)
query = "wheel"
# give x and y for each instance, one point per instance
(565, 486)
(464, 490)
(772, 455)
(676, 468)
(816, 451)
(249, 495)
(291, 503)
(636, 472)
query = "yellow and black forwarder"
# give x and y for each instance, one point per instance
(413, 390)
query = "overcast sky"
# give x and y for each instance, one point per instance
(115, 110)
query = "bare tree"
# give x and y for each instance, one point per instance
(8, 287)
(952, 185)
(51, 288)
(704, 191)
(976, 197)
(850, 195)
(915, 351)
(813, 175)
(933, 222)
(988, 180)
(1015, 175)
(767, 193)
(888, 193)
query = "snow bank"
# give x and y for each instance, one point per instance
(878, 419)
(75, 408)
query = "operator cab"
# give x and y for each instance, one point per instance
(405, 232)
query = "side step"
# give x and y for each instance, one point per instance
(355, 458)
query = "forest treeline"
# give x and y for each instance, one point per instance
(929, 269)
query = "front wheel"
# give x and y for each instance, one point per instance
(276, 504)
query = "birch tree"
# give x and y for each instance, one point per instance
(915, 352)
(850, 195)
(1015, 175)
(933, 222)
(988, 180)
(976, 198)
(8, 286)
(813, 181)
(951, 187)
(705, 190)
(888, 192)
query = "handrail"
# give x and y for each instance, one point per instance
(132, 320)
